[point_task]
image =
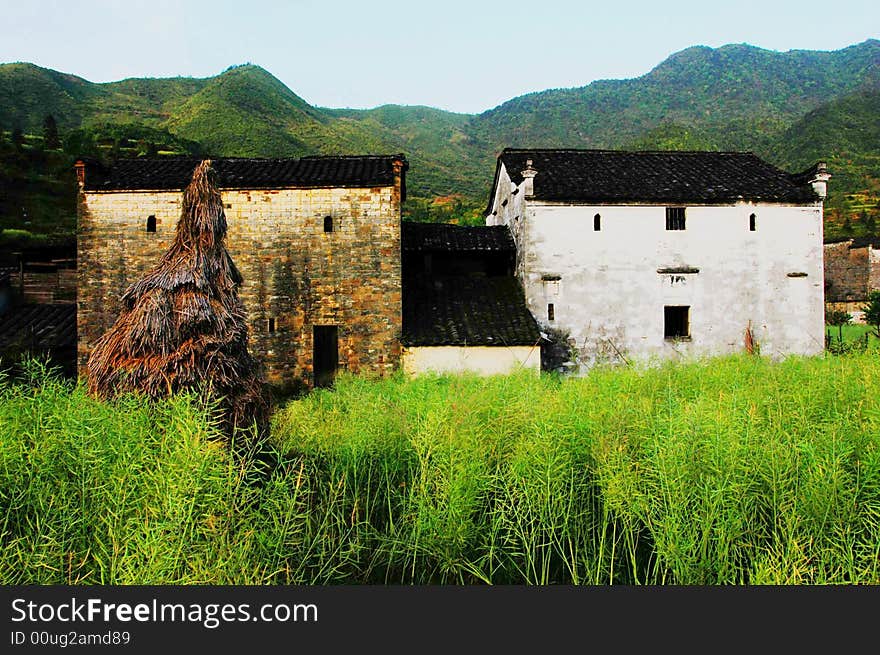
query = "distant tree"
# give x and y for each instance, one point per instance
(18, 137)
(51, 140)
(847, 227)
(80, 143)
(872, 312)
(870, 224)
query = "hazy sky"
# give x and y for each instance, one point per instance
(465, 56)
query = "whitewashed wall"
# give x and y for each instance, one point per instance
(485, 360)
(610, 296)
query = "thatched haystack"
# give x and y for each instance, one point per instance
(182, 326)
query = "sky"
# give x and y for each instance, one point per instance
(463, 56)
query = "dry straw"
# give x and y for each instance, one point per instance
(182, 327)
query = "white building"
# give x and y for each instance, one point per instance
(642, 255)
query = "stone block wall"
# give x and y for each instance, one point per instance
(295, 273)
(846, 272)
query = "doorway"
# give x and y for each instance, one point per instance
(325, 354)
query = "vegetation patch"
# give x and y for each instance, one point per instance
(736, 470)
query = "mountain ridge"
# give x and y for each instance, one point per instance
(732, 97)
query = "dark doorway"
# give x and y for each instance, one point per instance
(325, 354)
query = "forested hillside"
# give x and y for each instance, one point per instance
(792, 108)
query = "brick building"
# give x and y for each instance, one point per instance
(852, 270)
(332, 278)
(316, 239)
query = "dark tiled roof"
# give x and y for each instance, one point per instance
(39, 325)
(603, 176)
(865, 241)
(456, 238)
(466, 311)
(238, 173)
(855, 242)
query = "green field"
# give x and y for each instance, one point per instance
(730, 471)
(851, 337)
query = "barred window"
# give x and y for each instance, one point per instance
(675, 218)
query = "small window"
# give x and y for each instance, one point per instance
(151, 223)
(752, 223)
(270, 325)
(551, 314)
(328, 223)
(675, 218)
(597, 223)
(676, 322)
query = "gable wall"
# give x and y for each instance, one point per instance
(510, 210)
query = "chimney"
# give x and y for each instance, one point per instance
(399, 166)
(80, 167)
(819, 179)
(528, 183)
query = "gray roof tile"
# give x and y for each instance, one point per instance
(608, 176)
(166, 173)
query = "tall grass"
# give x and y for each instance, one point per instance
(730, 471)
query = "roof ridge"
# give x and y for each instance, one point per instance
(248, 172)
(253, 159)
(608, 175)
(633, 152)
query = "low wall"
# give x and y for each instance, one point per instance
(484, 360)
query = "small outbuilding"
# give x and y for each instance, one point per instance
(463, 310)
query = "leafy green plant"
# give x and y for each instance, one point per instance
(736, 470)
(838, 318)
(872, 312)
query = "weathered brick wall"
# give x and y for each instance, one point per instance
(873, 269)
(846, 273)
(294, 272)
(47, 282)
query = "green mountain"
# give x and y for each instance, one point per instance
(846, 133)
(741, 95)
(792, 108)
